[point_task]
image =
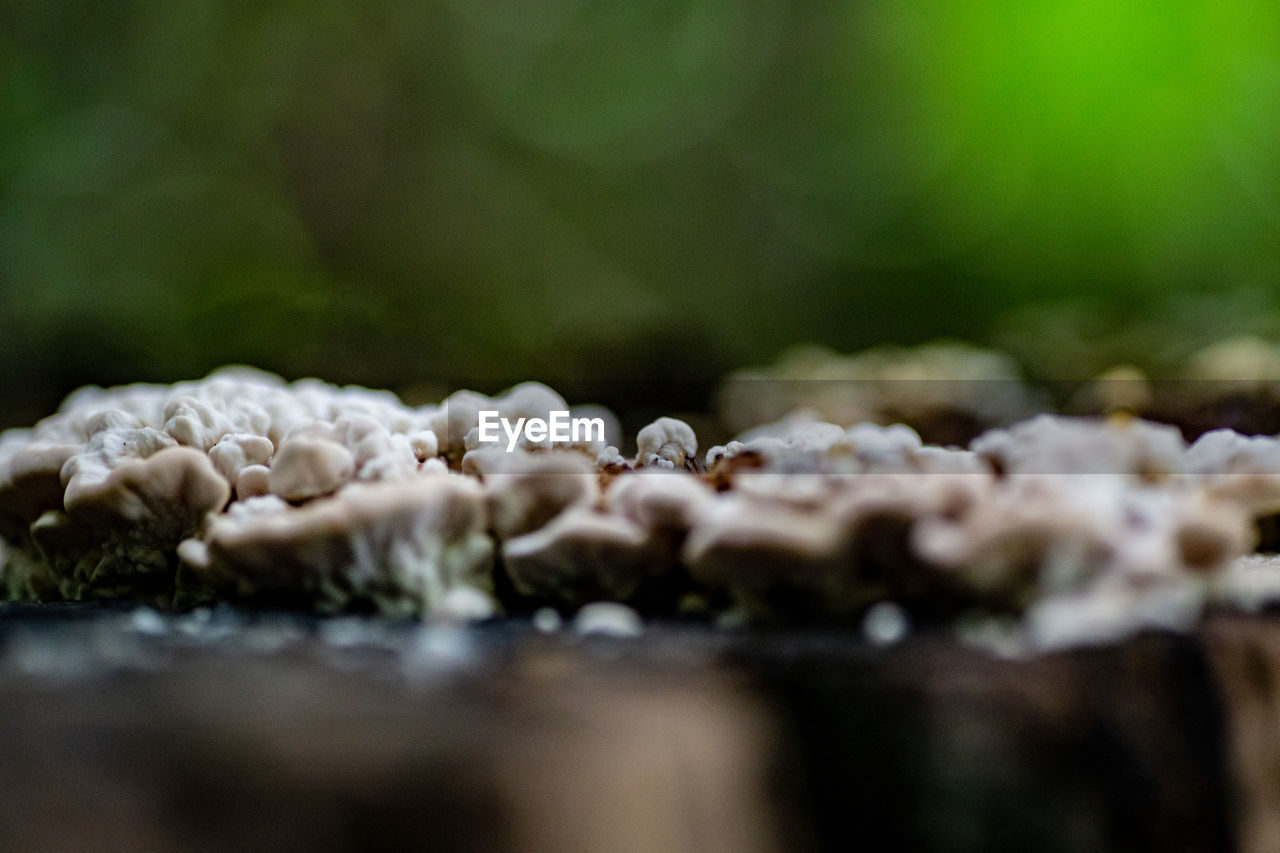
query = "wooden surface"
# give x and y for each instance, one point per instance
(221, 731)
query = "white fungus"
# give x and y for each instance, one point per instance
(309, 467)
(403, 546)
(609, 619)
(546, 620)
(931, 382)
(235, 452)
(244, 487)
(1048, 444)
(525, 491)
(667, 443)
(1251, 583)
(580, 555)
(253, 481)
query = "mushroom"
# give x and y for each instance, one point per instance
(30, 480)
(766, 556)
(117, 534)
(99, 492)
(580, 556)
(1251, 583)
(948, 391)
(402, 545)
(1042, 535)
(661, 501)
(608, 619)
(666, 505)
(667, 443)
(524, 491)
(253, 481)
(457, 421)
(1123, 389)
(194, 423)
(798, 443)
(1245, 469)
(1048, 444)
(610, 462)
(1111, 609)
(306, 467)
(378, 453)
(236, 451)
(306, 493)
(166, 493)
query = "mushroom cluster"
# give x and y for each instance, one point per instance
(243, 487)
(947, 390)
(1232, 383)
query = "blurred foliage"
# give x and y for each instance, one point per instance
(629, 197)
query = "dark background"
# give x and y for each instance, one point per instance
(627, 198)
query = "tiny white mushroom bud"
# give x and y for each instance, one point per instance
(608, 618)
(610, 457)
(254, 481)
(546, 620)
(669, 441)
(464, 604)
(194, 552)
(233, 453)
(435, 466)
(530, 399)
(309, 467)
(425, 444)
(193, 423)
(885, 623)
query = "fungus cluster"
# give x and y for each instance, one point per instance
(947, 390)
(1231, 383)
(243, 487)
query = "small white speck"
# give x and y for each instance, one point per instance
(144, 620)
(886, 623)
(608, 618)
(464, 604)
(344, 632)
(546, 620)
(436, 649)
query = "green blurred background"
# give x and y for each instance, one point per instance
(629, 197)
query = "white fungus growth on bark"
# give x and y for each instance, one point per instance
(1056, 445)
(1250, 584)
(403, 545)
(244, 487)
(945, 379)
(524, 492)
(580, 555)
(659, 500)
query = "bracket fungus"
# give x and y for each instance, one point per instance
(244, 487)
(526, 491)
(580, 556)
(401, 546)
(949, 391)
